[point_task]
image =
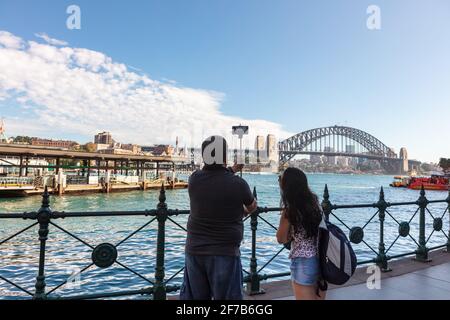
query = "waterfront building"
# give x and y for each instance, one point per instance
(316, 159)
(342, 162)
(116, 151)
(259, 147)
(259, 143)
(159, 150)
(353, 162)
(100, 146)
(103, 138)
(66, 144)
(118, 148)
(134, 148)
(405, 162)
(331, 160)
(272, 148)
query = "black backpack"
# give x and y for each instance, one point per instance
(337, 259)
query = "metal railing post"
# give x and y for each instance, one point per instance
(253, 287)
(159, 292)
(448, 211)
(326, 204)
(422, 251)
(43, 217)
(382, 260)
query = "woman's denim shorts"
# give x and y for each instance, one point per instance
(305, 271)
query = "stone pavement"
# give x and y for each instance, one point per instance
(408, 280)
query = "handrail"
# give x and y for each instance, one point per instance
(105, 255)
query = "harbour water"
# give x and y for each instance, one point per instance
(65, 255)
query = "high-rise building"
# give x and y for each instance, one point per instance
(331, 160)
(259, 147)
(272, 149)
(259, 143)
(405, 163)
(103, 138)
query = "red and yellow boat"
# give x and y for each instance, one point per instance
(435, 182)
(401, 182)
(429, 183)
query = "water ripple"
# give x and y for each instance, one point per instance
(65, 255)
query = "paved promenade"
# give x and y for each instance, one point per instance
(408, 280)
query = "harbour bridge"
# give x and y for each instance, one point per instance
(343, 141)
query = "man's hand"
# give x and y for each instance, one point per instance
(249, 209)
(237, 168)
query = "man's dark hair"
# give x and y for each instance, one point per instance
(214, 151)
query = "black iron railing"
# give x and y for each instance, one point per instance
(105, 255)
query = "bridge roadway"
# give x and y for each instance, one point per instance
(408, 280)
(340, 154)
(351, 155)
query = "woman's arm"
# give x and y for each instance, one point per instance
(283, 233)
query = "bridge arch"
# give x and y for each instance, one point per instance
(297, 144)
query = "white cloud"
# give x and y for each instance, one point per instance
(8, 40)
(80, 91)
(54, 42)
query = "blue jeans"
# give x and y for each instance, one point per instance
(212, 277)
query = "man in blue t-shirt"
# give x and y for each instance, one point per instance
(219, 201)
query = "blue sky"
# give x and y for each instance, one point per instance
(296, 64)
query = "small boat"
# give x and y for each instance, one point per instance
(401, 182)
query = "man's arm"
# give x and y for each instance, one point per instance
(249, 201)
(249, 209)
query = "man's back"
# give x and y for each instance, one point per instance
(217, 199)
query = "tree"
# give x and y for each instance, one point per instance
(444, 163)
(90, 147)
(22, 139)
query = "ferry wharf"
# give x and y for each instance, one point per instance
(78, 172)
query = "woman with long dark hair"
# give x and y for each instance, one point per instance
(299, 224)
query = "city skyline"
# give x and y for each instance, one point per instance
(289, 76)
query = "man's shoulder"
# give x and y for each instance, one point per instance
(196, 172)
(225, 174)
(194, 175)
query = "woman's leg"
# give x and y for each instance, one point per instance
(322, 295)
(307, 292)
(304, 292)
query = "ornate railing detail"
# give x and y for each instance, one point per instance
(106, 255)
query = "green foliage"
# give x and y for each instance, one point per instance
(444, 163)
(22, 139)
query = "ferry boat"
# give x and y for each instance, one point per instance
(435, 182)
(430, 183)
(401, 182)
